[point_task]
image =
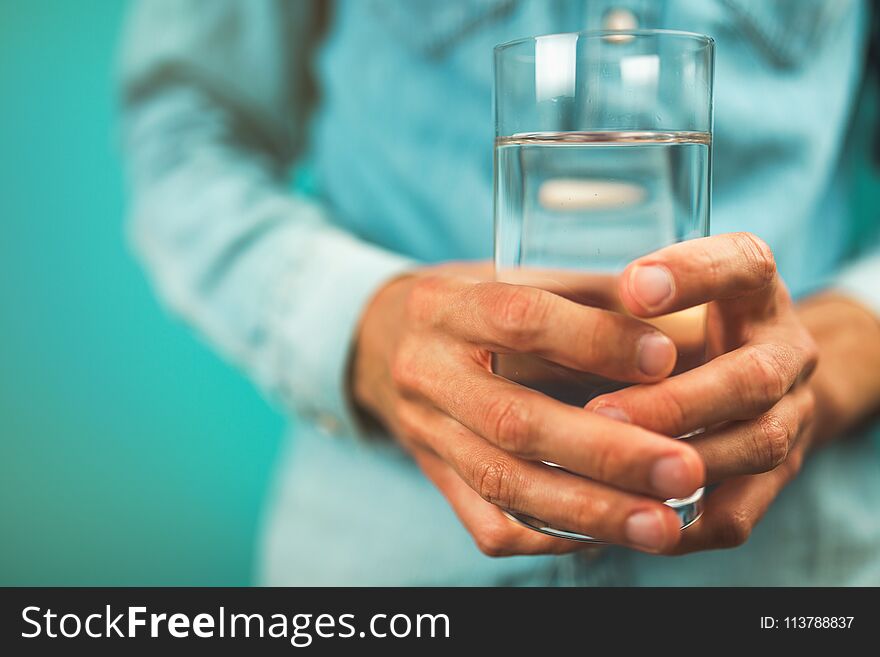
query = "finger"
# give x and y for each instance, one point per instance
(494, 533)
(698, 271)
(505, 318)
(734, 508)
(533, 426)
(557, 497)
(758, 445)
(738, 385)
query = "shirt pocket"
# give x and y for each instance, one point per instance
(785, 33)
(434, 28)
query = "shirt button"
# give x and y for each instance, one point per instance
(619, 18)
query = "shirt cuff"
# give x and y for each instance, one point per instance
(861, 280)
(316, 324)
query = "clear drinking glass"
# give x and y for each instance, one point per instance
(603, 145)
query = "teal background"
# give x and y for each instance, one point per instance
(129, 453)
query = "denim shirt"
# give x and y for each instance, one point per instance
(383, 110)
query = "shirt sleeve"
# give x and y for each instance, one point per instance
(215, 96)
(861, 281)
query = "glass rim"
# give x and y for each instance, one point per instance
(705, 40)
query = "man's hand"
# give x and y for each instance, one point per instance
(752, 396)
(422, 368)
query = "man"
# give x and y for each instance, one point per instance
(343, 293)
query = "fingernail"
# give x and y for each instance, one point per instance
(613, 412)
(645, 528)
(655, 353)
(669, 476)
(651, 285)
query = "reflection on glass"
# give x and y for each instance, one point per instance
(602, 155)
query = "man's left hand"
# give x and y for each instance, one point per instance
(752, 397)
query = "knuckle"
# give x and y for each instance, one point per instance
(594, 513)
(408, 420)
(493, 541)
(735, 530)
(774, 441)
(404, 368)
(669, 410)
(407, 426)
(606, 464)
(508, 424)
(767, 375)
(421, 302)
(759, 257)
(591, 339)
(711, 264)
(518, 311)
(494, 481)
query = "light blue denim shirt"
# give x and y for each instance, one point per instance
(384, 109)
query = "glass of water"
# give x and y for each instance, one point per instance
(603, 152)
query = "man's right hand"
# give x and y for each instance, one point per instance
(422, 368)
